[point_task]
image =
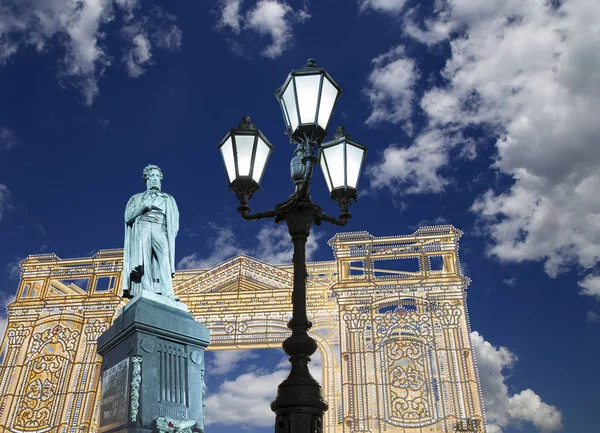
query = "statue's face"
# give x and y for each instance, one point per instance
(153, 179)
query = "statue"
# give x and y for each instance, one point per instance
(151, 224)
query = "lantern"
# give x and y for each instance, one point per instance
(307, 99)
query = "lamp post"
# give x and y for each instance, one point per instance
(307, 100)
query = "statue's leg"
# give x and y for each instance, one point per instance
(160, 245)
(145, 246)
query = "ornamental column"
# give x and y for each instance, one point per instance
(16, 336)
(354, 364)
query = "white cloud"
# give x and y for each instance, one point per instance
(510, 281)
(391, 6)
(591, 286)
(7, 139)
(437, 221)
(415, 169)
(528, 406)
(593, 317)
(13, 269)
(391, 87)
(162, 30)
(504, 410)
(524, 70)
(274, 247)
(230, 15)
(138, 56)
(85, 59)
(223, 246)
(251, 394)
(533, 76)
(433, 30)
(40, 228)
(272, 18)
(4, 200)
(77, 28)
(128, 7)
(156, 29)
(167, 37)
(491, 362)
(224, 361)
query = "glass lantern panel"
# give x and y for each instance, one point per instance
(244, 145)
(328, 95)
(289, 102)
(262, 153)
(325, 171)
(227, 152)
(334, 157)
(354, 156)
(286, 118)
(307, 89)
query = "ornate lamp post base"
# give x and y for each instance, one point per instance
(309, 422)
(299, 406)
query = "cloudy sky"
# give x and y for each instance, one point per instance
(481, 114)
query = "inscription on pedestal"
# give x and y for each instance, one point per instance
(115, 393)
(173, 412)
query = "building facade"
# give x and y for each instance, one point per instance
(389, 316)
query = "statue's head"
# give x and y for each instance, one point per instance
(152, 176)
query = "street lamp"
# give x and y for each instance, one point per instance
(307, 100)
(341, 160)
(245, 152)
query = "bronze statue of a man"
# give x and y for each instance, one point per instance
(151, 224)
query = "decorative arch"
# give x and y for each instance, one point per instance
(418, 375)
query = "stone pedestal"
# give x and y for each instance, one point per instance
(152, 368)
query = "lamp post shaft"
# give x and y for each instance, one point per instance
(299, 291)
(299, 405)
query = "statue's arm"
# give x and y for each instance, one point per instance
(135, 207)
(176, 215)
(174, 221)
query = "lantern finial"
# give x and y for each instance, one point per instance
(340, 132)
(311, 63)
(246, 124)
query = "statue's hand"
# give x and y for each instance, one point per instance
(137, 273)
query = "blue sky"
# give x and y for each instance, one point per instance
(478, 114)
